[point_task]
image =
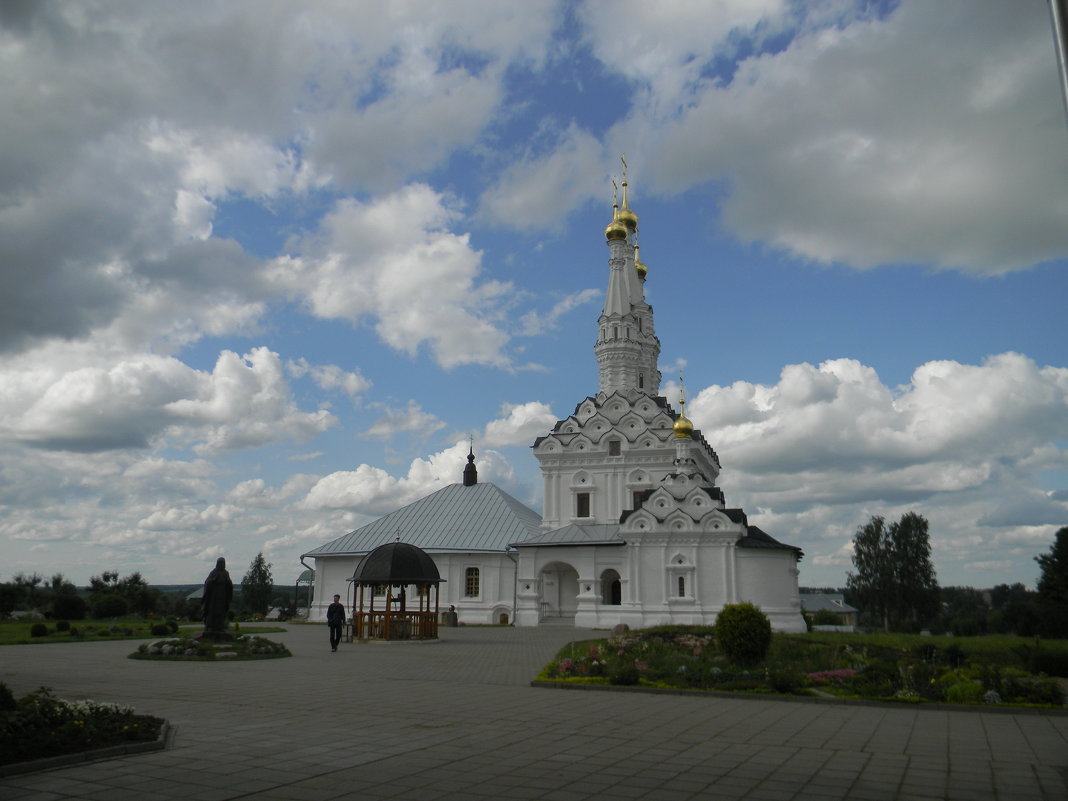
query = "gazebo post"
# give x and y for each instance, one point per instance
(389, 608)
(359, 619)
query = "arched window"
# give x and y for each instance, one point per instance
(471, 589)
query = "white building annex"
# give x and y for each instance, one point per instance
(634, 529)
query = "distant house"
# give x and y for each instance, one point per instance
(813, 602)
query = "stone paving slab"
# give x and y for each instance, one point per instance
(457, 719)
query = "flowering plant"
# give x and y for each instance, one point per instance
(43, 725)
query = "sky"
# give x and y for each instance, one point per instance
(267, 268)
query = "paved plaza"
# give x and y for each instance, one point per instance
(457, 719)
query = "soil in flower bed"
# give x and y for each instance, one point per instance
(39, 725)
(914, 669)
(242, 647)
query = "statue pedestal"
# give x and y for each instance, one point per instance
(214, 636)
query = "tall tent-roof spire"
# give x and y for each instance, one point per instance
(627, 348)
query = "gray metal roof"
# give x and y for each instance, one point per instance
(834, 601)
(481, 517)
(576, 534)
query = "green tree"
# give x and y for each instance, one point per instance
(104, 584)
(257, 586)
(894, 579)
(133, 589)
(28, 587)
(918, 595)
(141, 598)
(1053, 583)
(871, 585)
(1053, 587)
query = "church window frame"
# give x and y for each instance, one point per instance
(615, 447)
(680, 580)
(472, 582)
(583, 505)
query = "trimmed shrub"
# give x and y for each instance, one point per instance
(160, 630)
(62, 625)
(743, 633)
(38, 630)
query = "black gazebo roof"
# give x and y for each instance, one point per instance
(397, 563)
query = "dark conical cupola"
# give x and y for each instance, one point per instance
(470, 473)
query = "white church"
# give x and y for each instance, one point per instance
(634, 529)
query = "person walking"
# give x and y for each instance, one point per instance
(335, 619)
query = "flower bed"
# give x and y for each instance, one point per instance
(40, 725)
(917, 670)
(242, 647)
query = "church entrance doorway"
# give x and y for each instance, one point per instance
(611, 588)
(559, 591)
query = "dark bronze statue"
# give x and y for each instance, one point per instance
(218, 593)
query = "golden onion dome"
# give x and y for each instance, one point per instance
(683, 427)
(639, 265)
(615, 230)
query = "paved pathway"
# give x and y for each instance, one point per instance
(457, 719)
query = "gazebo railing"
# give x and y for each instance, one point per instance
(381, 625)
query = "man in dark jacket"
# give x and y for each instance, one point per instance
(335, 619)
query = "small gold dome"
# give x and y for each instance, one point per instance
(639, 265)
(683, 427)
(615, 230)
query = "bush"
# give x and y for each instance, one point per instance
(7, 698)
(787, 681)
(743, 633)
(160, 630)
(62, 625)
(172, 625)
(965, 692)
(110, 605)
(1052, 663)
(825, 617)
(38, 630)
(624, 675)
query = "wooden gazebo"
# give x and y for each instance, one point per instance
(387, 572)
